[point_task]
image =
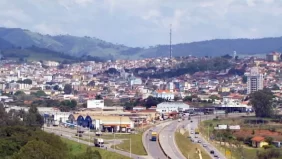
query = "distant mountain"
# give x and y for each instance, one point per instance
(5, 44)
(11, 38)
(217, 47)
(71, 45)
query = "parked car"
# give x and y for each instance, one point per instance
(205, 145)
(199, 141)
(212, 152)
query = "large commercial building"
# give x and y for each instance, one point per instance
(94, 104)
(254, 81)
(168, 107)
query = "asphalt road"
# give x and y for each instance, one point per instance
(152, 147)
(167, 140)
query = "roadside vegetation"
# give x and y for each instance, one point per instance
(78, 150)
(136, 143)
(188, 148)
(237, 144)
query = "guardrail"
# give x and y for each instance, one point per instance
(161, 145)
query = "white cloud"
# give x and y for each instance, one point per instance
(131, 21)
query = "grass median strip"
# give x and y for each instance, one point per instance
(136, 144)
(77, 148)
(188, 148)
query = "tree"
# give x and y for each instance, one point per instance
(38, 149)
(176, 98)
(90, 154)
(244, 79)
(275, 87)
(98, 97)
(56, 88)
(269, 154)
(187, 98)
(213, 97)
(33, 118)
(27, 81)
(40, 93)
(269, 140)
(91, 83)
(262, 103)
(18, 93)
(68, 89)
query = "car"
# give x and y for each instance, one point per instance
(191, 132)
(199, 141)
(212, 152)
(191, 121)
(215, 155)
(196, 136)
(205, 145)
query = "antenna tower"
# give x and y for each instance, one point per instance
(170, 49)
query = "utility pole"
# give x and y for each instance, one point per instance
(89, 136)
(130, 145)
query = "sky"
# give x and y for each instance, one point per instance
(146, 23)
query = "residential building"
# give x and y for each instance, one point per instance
(258, 142)
(273, 57)
(254, 81)
(165, 94)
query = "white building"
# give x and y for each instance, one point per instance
(254, 81)
(93, 103)
(51, 63)
(164, 94)
(167, 107)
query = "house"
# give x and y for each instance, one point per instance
(139, 108)
(258, 142)
(165, 94)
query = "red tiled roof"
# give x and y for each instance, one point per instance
(257, 139)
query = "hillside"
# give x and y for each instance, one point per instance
(71, 45)
(11, 38)
(218, 47)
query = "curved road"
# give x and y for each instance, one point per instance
(167, 135)
(152, 147)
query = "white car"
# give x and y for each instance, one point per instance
(205, 145)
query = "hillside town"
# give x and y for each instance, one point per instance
(123, 96)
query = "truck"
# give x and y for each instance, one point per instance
(197, 131)
(56, 123)
(99, 142)
(154, 136)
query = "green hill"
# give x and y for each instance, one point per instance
(18, 41)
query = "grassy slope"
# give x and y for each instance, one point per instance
(77, 148)
(189, 148)
(136, 144)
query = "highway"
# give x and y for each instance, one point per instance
(152, 147)
(167, 135)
